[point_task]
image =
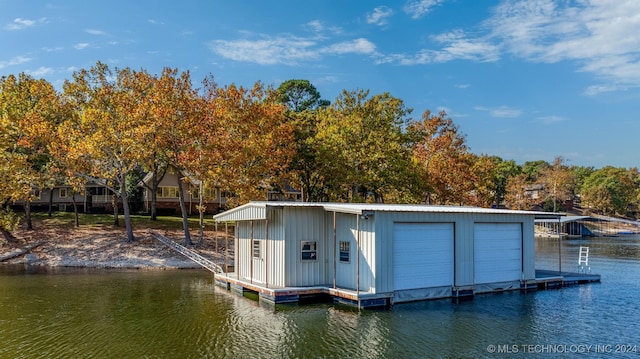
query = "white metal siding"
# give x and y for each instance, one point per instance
(497, 252)
(304, 224)
(422, 255)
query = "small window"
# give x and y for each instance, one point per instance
(63, 193)
(256, 248)
(309, 251)
(344, 251)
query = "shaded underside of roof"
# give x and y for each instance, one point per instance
(258, 210)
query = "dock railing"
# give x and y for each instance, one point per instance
(191, 254)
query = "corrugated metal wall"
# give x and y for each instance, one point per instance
(268, 269)
(281, 264)
(346, 273)
(304, 225)
(464, 237)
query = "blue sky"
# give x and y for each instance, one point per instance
(524, 80)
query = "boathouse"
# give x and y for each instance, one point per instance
(378, 254)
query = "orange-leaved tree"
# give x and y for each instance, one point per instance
(29, 113)
(103, 139)
(177, 107)
(255, 142)
(443, 159)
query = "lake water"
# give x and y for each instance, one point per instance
(72, 313)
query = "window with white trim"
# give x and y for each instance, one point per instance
(309, 251)
(344, 251)
(64, 193)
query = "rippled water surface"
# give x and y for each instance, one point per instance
(72, 313)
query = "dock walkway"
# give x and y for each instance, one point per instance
(191, 254)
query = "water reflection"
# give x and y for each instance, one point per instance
(181, 314)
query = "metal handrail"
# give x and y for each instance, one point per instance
(204, 262)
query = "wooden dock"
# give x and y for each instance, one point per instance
(281, 295)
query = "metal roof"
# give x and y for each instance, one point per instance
(566, 219)
(257, 210)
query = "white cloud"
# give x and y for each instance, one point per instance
(455, 46)
(95, 32)
(600, 36)
(357, 46)
(379, 16)
(41, 71)
(267, 51)
(419, 8)
(500, 112)
(14, 61)
(286, 49)
(81, 45)
(462, 86)
(19, 24)
(319, 28)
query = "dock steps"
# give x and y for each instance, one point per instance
(191, 254)
(583, 260)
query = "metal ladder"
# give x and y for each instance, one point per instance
(583, 260)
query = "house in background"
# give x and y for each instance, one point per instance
(97, 198)
(378, 254)
(168, 201)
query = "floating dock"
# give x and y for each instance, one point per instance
(546, 279)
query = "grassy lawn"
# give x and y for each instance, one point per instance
(66, 219)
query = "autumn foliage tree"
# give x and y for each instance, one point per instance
(29, 113)
(103, 139)
(254, 141)
(444, 162)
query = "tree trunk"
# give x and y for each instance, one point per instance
(116, 214)
(75, 210)
(183, 209)
(154, 194)
(125, 208)
(50, 210)
(27, 215)
(9, 238)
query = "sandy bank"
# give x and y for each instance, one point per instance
(104, 249)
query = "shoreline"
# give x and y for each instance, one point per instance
(102, 248)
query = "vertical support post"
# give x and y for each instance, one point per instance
(217, 237)
(559, 248)
(226, 246)
(251, 253)
(358, 257)
(266, 249)
(335, 243)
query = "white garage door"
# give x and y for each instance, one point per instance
(497, 252)
(422, 255)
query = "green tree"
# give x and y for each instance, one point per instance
(362, 148)
(610, 190)
(300, 96)
(303, 100)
